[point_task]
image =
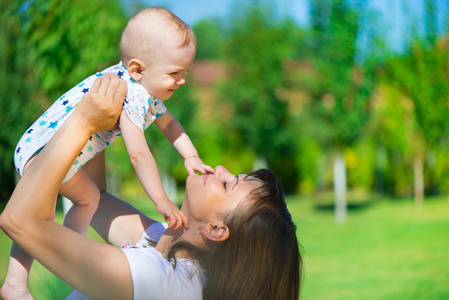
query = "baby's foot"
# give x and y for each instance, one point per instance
(14, 292)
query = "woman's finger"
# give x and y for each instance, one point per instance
(104, 84)
(112, 88)
(96, 84)
(120, 94)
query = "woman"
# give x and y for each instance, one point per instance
(240, 244)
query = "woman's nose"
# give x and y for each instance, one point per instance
(222, 173)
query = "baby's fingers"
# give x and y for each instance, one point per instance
(179, 221)
(190, 170)
(185, 220)
(172, 222)
(209, 169)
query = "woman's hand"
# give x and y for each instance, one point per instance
(100, 108)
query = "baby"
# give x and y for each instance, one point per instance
(157, 49)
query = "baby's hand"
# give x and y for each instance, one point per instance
(172, 214)
(195, 164)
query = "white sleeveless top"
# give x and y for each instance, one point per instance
(153, 275)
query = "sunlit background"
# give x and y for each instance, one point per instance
(346, 101)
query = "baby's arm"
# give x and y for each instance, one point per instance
(175, 133)
(147, 172)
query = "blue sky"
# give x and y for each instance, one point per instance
(392, 15)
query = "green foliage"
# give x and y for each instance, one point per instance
(417, 86)
(255, 51)
(422, 75)
(67, 46)
(210, 39)
(291, 95)
(342, 89)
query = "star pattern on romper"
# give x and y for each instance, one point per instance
(18, 150)
(90, 148)
(99, 74)
(53, 125)
(65, 102)
(76, 162)
(28, 140)
(42, 123)
(81, 153)
(120, 74)
(68, 108)
(85, 90)
(29, 131)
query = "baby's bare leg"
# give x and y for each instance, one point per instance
(95, 168)
(85, 195)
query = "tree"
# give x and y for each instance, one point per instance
(341, 90)
(255, 52)
(422, 75)
(209, 35)
(47, 46)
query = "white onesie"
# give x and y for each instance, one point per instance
(141, 108)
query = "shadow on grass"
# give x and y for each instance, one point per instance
(351, 206)
(356, 201)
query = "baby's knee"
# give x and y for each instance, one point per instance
(92, 197)
(87, 196)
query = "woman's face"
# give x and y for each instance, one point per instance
(210, 196)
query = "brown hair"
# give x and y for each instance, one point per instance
(261, 257)
(139, 40)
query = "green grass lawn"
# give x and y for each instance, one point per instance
(385, 250)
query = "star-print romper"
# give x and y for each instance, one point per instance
(141, 108)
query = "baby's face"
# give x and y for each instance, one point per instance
(166, 72)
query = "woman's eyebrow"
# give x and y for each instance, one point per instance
(237, 181)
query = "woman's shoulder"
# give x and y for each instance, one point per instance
(152, 274)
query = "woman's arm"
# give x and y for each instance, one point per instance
(95, 269)
(118, 222)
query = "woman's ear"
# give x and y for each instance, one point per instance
(215, 233)
(135, 68)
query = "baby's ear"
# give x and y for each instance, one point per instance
(135, 69)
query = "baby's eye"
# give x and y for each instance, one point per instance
(174, 73)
